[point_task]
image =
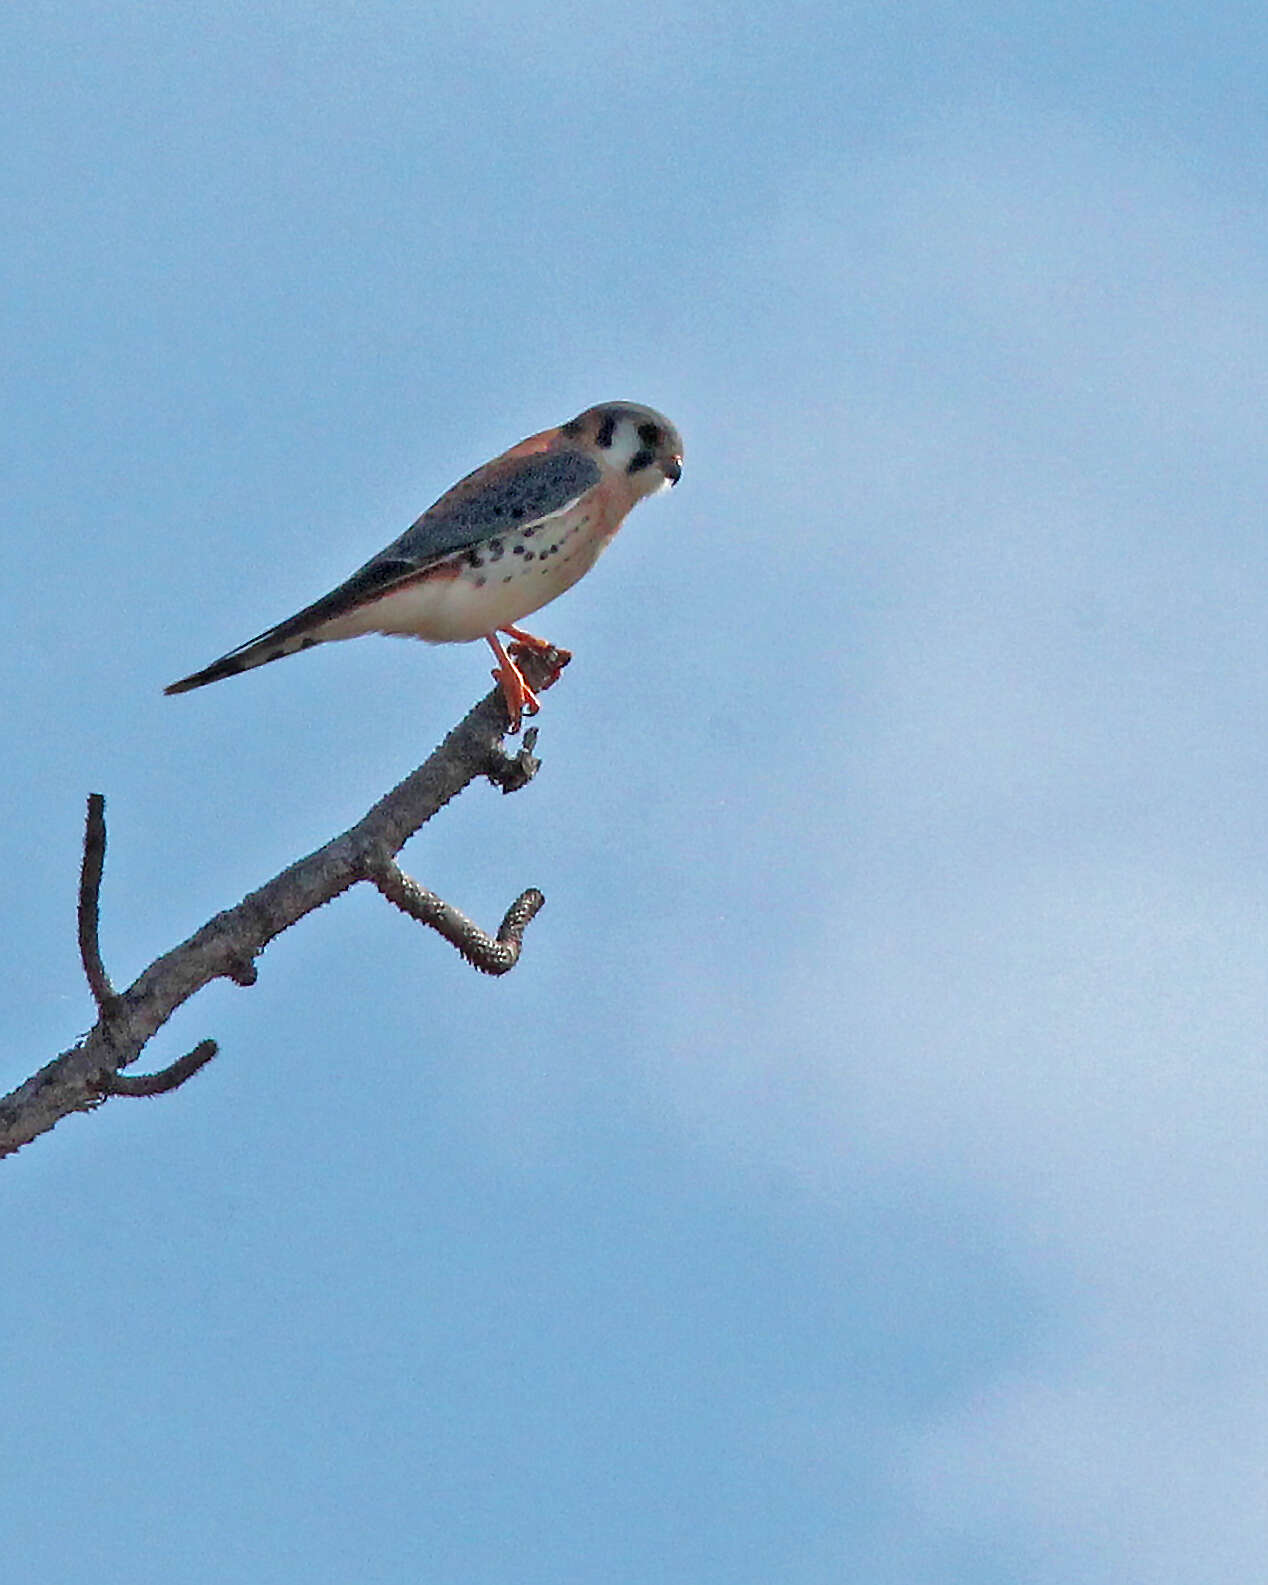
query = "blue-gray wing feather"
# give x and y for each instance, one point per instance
(533, 487)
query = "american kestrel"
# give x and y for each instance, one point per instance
(502, 543)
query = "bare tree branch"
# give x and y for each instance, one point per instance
(169, 1078)
(89, 896)
(489, 954)
(227, 945)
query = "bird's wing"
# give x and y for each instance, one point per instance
(512, 493)
(516, 491)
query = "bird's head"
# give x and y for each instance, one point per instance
(635, 441)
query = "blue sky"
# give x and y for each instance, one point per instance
(861, 1177)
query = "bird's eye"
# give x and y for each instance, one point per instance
(649, 434)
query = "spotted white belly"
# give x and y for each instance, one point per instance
(495, 584)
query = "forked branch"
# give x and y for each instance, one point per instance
(226, 947)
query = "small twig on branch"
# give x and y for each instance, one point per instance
(510, 772)
(89, 905)
(165, 1079)
(490, 954)
(226, 947)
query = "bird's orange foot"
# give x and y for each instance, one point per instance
(547, 655)
(519, 697)
(542, 646)
(546, 664)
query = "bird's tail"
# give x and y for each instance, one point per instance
(273, 645)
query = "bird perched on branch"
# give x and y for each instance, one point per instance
(500, 544)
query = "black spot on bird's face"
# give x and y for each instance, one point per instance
(641, 459)
(649, 434)
(607, 429)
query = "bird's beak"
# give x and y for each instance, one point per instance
(673, 469)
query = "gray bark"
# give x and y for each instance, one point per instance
(226, 947)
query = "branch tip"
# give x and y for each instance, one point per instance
(166, 1079)
(510, 772)
(90, 873)
(490, 954)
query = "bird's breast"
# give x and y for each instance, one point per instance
(493, 584)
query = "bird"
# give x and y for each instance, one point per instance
(503, 542)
